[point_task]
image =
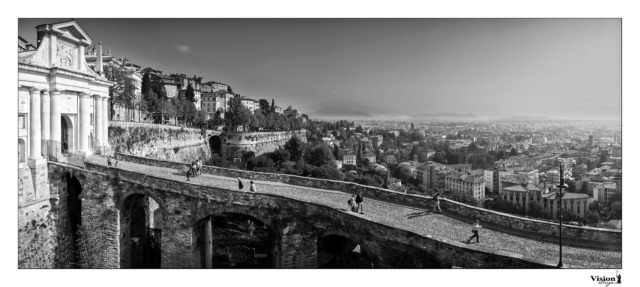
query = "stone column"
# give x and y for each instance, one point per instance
(105, 123)
(55, 132)
(45, 109)
(98, 119)
(35, 131)
(84, 124)
(208, 241)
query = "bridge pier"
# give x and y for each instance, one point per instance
(296, 245)
(177, 248)
(208, 241)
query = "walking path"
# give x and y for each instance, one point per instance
(412, 218)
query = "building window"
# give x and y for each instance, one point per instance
(91, 119)
(22, 124)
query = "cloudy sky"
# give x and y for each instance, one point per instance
(562, 68)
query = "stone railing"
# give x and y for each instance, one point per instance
(502, 219)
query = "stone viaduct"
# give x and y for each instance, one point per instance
(196, 226)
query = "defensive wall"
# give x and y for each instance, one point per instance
(159, 141)
(234, 143)
(114, 208)
(187, 144)
(512, 221)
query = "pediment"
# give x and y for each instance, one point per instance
(72, 31)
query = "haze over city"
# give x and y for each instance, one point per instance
(491, 68)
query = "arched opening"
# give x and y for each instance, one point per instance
(91, 143)
(22, 154)
(215, 144)
(74, 212)
(66, 134)
(233, 240)
(336, 251)
(140, 232)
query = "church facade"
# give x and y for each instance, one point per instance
(63, 104)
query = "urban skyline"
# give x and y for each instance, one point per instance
(492, 68)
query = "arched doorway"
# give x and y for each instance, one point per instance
(22, 154)
(91, 143)
(140, 232)
(215, 144)
(67, 135)
(233, 240)
(337, 251)
(74, 212)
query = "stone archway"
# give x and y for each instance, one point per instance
(140, 232)
(215, 144)
(22, 150)
(233, 240)
(67, 135)
(74, 212)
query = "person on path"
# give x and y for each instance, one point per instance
(199, 165)
(475, 230)
(116, 162)
(240, 186)
(436, 201)
(359, 201)
(352, 203)
(252, 187)
(108, 161)
(189, 175)
(194, 167)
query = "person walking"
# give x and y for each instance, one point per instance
(199, 165)
(108, 161)
(194, 167)
(252, 187)
(240, 186)
(189, 175)
(359, 201)
(475, 230)
(352, 203)
(116, 162)
(436, 202)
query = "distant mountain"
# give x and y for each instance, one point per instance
(444, 116)
(346, 107)
(525, 118)
(341, 113)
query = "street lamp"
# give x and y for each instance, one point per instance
(559, 198)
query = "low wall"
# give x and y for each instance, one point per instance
(498, 218)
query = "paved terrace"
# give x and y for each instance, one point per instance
(411, 218)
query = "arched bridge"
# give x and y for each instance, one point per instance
(150, 217)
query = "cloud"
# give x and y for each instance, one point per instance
(182, 48)
(334, 92)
